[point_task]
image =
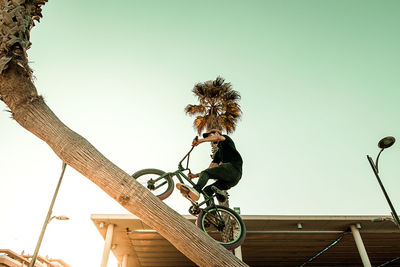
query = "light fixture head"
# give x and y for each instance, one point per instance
(386, 142)
(62, 218)
(237, 210)
(381, 219)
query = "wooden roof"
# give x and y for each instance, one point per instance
(270, 241)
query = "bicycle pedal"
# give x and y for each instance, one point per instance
(185, 194)
(189, 198)
(184, 191)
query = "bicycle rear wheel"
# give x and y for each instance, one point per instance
(223, 225)
(162, 187)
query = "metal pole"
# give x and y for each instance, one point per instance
(360, 246)
(35, 254)
(125, 261)
(238, 253)
(394, 214)
(107, 245)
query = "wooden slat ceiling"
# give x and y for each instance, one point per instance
(296, 249)
(270, 241)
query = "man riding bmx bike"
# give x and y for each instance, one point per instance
(226, 168)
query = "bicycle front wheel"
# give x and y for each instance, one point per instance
(153, 179)
(222, 224)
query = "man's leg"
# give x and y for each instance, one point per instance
(203, 179)
(225, 173)
(221, 185)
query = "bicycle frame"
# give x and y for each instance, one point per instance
(181, 177)
(179, 174)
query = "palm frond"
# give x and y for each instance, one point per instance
(198, 90)
(234, 112)
(226, 123)
(227, 86)
(231, 95)
(219, 81)
(195, 109)
(200, 124)
(232, 108)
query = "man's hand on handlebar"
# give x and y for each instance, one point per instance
(192, 175)
(195, 141)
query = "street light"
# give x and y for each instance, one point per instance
(61, 218)
(49, 218)
(383, 144)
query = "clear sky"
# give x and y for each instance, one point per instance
(319, 82)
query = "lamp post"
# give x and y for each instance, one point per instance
(383, 144)
(48, 218)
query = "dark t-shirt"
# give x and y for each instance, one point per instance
(227, 153)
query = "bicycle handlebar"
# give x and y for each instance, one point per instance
(188, 156)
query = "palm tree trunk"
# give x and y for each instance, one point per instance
(31, 112)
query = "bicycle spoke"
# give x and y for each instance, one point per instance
(153, 183)
(221, 226)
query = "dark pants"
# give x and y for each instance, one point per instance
(226, 175)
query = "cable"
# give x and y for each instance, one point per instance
(388, 262)
(325, 249)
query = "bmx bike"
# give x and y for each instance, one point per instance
(221, 223)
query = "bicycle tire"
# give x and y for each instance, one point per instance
(238, 226)
(145, 176)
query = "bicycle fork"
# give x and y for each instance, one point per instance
(151, 184)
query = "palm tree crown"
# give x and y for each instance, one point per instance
(218, 108)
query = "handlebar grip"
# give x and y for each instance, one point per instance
(197, 137)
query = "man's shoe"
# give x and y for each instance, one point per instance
(189, 191)
(221, 195)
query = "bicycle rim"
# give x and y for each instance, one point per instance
(150, 178)
(229, 233)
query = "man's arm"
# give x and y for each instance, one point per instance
(213, 138)
(213, 164)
